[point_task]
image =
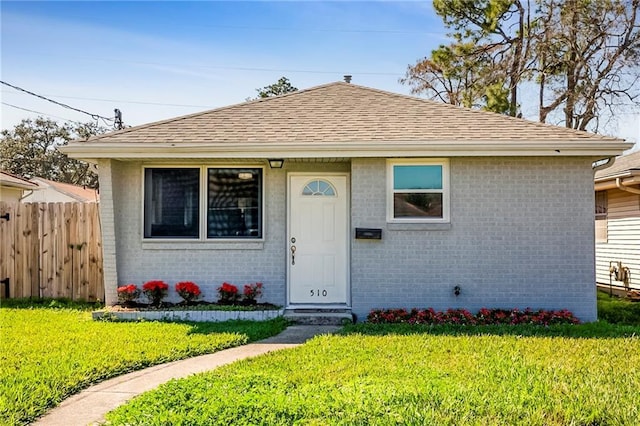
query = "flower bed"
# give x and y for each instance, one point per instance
(462, 316)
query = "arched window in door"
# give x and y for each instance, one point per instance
(319, 187)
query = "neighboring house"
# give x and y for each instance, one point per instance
(58, 192)
(349, 198)
(13, 187)
(618, 221)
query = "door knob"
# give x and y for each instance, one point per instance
(293, 255)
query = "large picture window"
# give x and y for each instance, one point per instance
(234, 200)
(418, 191)
(171, 203)
(203, 202)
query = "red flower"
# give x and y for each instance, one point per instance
(462, 316)
(155, 291)
(128, 293)
(252, 292)
(155, 286)
(228, 293)
(188, 290)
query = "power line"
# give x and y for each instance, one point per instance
(94, 116)
(41, 113)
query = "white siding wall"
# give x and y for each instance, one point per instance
(48, 195)
(10, 195)
(623, 237)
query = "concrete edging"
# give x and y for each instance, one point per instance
(196, 316)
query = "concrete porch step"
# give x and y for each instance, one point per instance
(319, 316)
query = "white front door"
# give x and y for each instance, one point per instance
(317, 244)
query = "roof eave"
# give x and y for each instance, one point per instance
(633, 175)
(343, 149)
(18, 185)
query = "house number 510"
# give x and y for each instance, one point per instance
(318, 293)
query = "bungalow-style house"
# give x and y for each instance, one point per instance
(345, 198)
(617, 208)
(57, 192)
(13, 187)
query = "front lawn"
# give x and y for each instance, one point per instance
(48, 354)
(416, 375)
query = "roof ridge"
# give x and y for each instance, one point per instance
(222, 108)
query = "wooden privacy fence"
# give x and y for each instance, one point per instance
(51, 250)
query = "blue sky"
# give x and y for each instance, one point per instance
(156, 60)
(206, 54)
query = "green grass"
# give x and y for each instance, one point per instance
(617, 310)
(50, 353)
(408, 375)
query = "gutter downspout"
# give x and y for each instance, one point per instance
(604, 165)
(24, 195)
(621, 186)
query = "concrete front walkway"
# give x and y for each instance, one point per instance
(90, 405)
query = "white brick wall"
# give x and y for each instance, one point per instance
(521, 235)
(108, 231)
(207, 264)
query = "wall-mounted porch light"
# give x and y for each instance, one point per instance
(276, 163)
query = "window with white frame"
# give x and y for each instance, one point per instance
(601, 210)
(418, 191)
(203, 202)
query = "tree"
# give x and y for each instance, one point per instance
(30, 150)
(588, 57)
(450, 75)
(488, 59)
(582, 55)
(280, 87)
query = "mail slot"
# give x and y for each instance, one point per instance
(368, 233)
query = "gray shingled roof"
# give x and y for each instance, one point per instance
(342, 112)
(623, 164)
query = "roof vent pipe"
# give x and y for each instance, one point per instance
(347, 79)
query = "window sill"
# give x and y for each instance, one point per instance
(418, 226)
(203, 245)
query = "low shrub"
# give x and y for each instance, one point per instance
(464, 317)
(189, 291)
(155, 291)
(251, 293)
(228, 294)
(128, 293)
(616, 310)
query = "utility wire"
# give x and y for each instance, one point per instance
(41, 113)
(94, 116)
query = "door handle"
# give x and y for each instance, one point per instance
(293, 255)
